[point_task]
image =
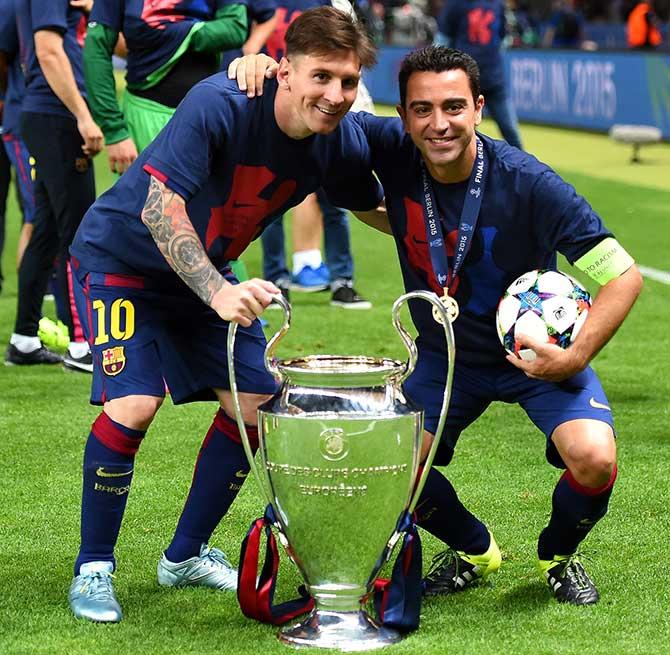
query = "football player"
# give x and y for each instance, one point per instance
(154, 283)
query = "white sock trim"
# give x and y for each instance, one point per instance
(78, 349)
(303, 258)
(24, 343)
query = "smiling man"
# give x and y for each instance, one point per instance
(153, 279)
(469, 215)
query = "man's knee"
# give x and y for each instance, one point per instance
(249, 404)
(589, 454)
(134, 412)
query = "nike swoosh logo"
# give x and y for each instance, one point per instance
(241, 474)
(594, 403)
(106, 474)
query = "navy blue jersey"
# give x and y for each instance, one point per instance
(287, 12)
(9, 44)
(154, 30)
(528, 213)
(226, 156)
(56, 15)
(478, 28)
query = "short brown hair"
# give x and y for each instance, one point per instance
(325, 30)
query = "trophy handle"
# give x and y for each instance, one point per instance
(269, 357)
(272, 368)
(413, 355)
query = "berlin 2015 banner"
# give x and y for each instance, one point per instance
(589, 90)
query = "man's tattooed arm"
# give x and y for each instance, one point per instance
(165, 216)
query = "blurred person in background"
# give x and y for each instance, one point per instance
(5, 181)
(62, 137)
(522, 30)
(14, 154)
(566, 26)
(478, 28)
(642, 27)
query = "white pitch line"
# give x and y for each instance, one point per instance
(655, 274)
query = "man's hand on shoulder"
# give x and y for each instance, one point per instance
(251, 71)
(121, 155)
(244, 302)
(550, 362)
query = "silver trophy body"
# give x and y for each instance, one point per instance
(339, 453)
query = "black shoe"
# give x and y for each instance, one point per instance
(83, 363)
(284, 286)
(569, 582)
(455, 570)
(344, 295)
(14, 357)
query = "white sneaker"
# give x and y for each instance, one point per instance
(209, 569)
(92, 594)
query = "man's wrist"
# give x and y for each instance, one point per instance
(579, 357)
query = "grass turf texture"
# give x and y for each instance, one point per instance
(499, 470)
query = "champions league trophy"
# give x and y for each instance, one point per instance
(340, 448)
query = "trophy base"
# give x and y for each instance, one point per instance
(346, 631)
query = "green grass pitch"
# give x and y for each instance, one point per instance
(499, 470)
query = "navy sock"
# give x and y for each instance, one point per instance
(440, 512)
(575, 510)
(219, 474)
(108, 471)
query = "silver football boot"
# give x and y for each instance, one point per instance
(92, 594)
(209, 569)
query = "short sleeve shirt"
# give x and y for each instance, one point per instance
(236, 170)
(57, 16)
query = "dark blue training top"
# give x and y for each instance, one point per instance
(478, 28)
(56, 15)
(528, 213)
(226, 156)
(154, 30)
(9, 44)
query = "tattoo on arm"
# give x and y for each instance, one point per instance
(165, 216)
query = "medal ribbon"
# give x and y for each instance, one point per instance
(467, 223)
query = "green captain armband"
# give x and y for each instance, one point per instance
(607, 261)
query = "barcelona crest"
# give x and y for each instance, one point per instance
(113, 360)
(81, 164)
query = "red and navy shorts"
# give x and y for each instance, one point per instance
(145, 338)
(547, 404)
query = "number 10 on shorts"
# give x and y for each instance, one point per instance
(121, 320)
